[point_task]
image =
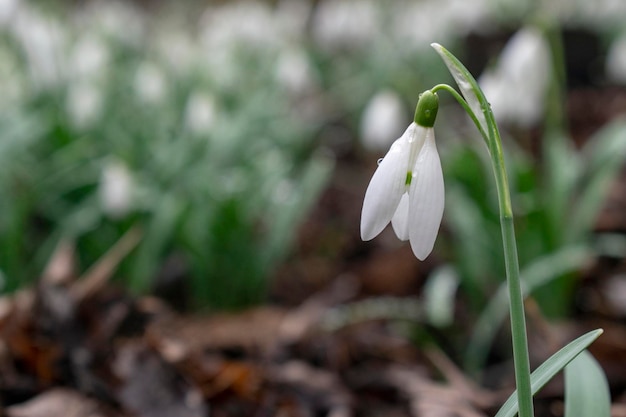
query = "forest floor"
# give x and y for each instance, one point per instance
(76, 345)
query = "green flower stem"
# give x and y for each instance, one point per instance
(465, 106)
(516, 297)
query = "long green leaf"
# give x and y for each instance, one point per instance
(538, 273)
(547, 370)
(468, 86)
(439, 296)
(586, 388)
(605, 154)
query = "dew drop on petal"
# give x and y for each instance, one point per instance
(380, 160)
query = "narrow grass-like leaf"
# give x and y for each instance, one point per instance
(538, 273)
(605, 153)
(586, 388)
(468, 86)
(439, 293)
(312, 180)
(547, 370)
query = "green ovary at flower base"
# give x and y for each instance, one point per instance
(407, 188)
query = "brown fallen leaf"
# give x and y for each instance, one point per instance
(429, 398)
(323, 388)
(150, 387)
(61, 268)
(100, 273)
(252, 331)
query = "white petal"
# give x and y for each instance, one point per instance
(386, 188)
(426, 199)
(400, 220)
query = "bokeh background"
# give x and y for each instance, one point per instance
(225, 147)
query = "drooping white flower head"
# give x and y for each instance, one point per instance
(516, 88)
(116, 189)
(407, 188)
(616, 60)
(383, 118)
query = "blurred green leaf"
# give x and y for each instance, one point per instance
(547, 370)
(605, 155)
(586, 388)
(538, 273)
(439, 296)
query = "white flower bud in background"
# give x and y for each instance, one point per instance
(118, 20)
(83, 104)
(293, 71)
(89, 57)
(13, 83)
(7, 10)
(383, 120)
(150, 83)
(177, 49)
(516, 87)
(294, 17)
(200, 113)
(116, 189)
(345, 23)
(242, 23)
(43, 42)
(616, 60)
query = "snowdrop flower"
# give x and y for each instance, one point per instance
(200, 113)
(338, 24)
(616, 60)
(383, 118)
(89, 57)
(84, 104)
(150, 83)
(407, 188)
(293, 71)
(116, 189)
(43, 41)
(7, 10)
(516, 88)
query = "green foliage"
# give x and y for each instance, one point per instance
(586, 388)
(547, 370)
(215, 173)
(560, 183)
(556, 202)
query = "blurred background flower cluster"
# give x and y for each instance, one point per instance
(215, 127)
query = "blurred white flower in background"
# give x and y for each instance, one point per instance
(44, 42)
(12, 81)
(116, 20)
(177, 49)
(116, 189)
(416, 24)
(346, 23)
(225, 31)
(293, 17)
(83, 103)
(382, 121)
(516, 86)
(150, 83)
(200, 113)
(616, 60)
(597, 14)
(464, 17)
(7, 9)
(294, 72)
(89, 57)
(240, 23)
